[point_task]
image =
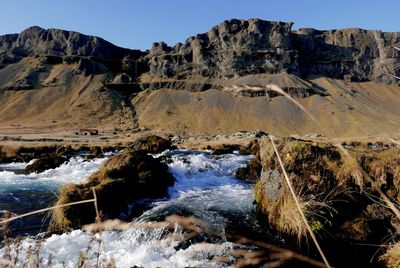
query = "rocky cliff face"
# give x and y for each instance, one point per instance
(350, 54)
(233, 48)
(240, 47)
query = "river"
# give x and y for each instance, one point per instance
(205, 188)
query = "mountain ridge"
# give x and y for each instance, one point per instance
(96, 83)
(230, 49)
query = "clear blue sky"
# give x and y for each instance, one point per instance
(139, 23)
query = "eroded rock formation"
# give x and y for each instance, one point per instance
(231, 49)
(241, 47)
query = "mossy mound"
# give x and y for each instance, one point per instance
(251, 172)
(252, 148)
(151, 144)
(125, 177)
(46, 162)
(50, 160)
(10, 154)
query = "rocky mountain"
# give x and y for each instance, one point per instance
(36, 41)
(243, 47)
(66, 79)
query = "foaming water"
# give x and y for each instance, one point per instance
(15, 166)
(76, 170)
(205, 188)
(125, 249)
(22, 193)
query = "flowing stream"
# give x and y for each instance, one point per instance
(205, 188)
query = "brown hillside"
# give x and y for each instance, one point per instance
(59, 96)
(350, 109)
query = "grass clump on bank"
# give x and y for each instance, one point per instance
(122, 179)
(331, 188)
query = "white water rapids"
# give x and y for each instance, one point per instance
(205, 187)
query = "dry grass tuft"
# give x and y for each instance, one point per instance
(392, 256)
(349, 171)
(287, 217)
(10, 150)
(298, 205)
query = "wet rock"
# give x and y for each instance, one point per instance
(125, 177)
(225, 149)
(65, 151)
(50, 161)
(94, 152)
(251, 172)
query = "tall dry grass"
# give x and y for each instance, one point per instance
(298, 205)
